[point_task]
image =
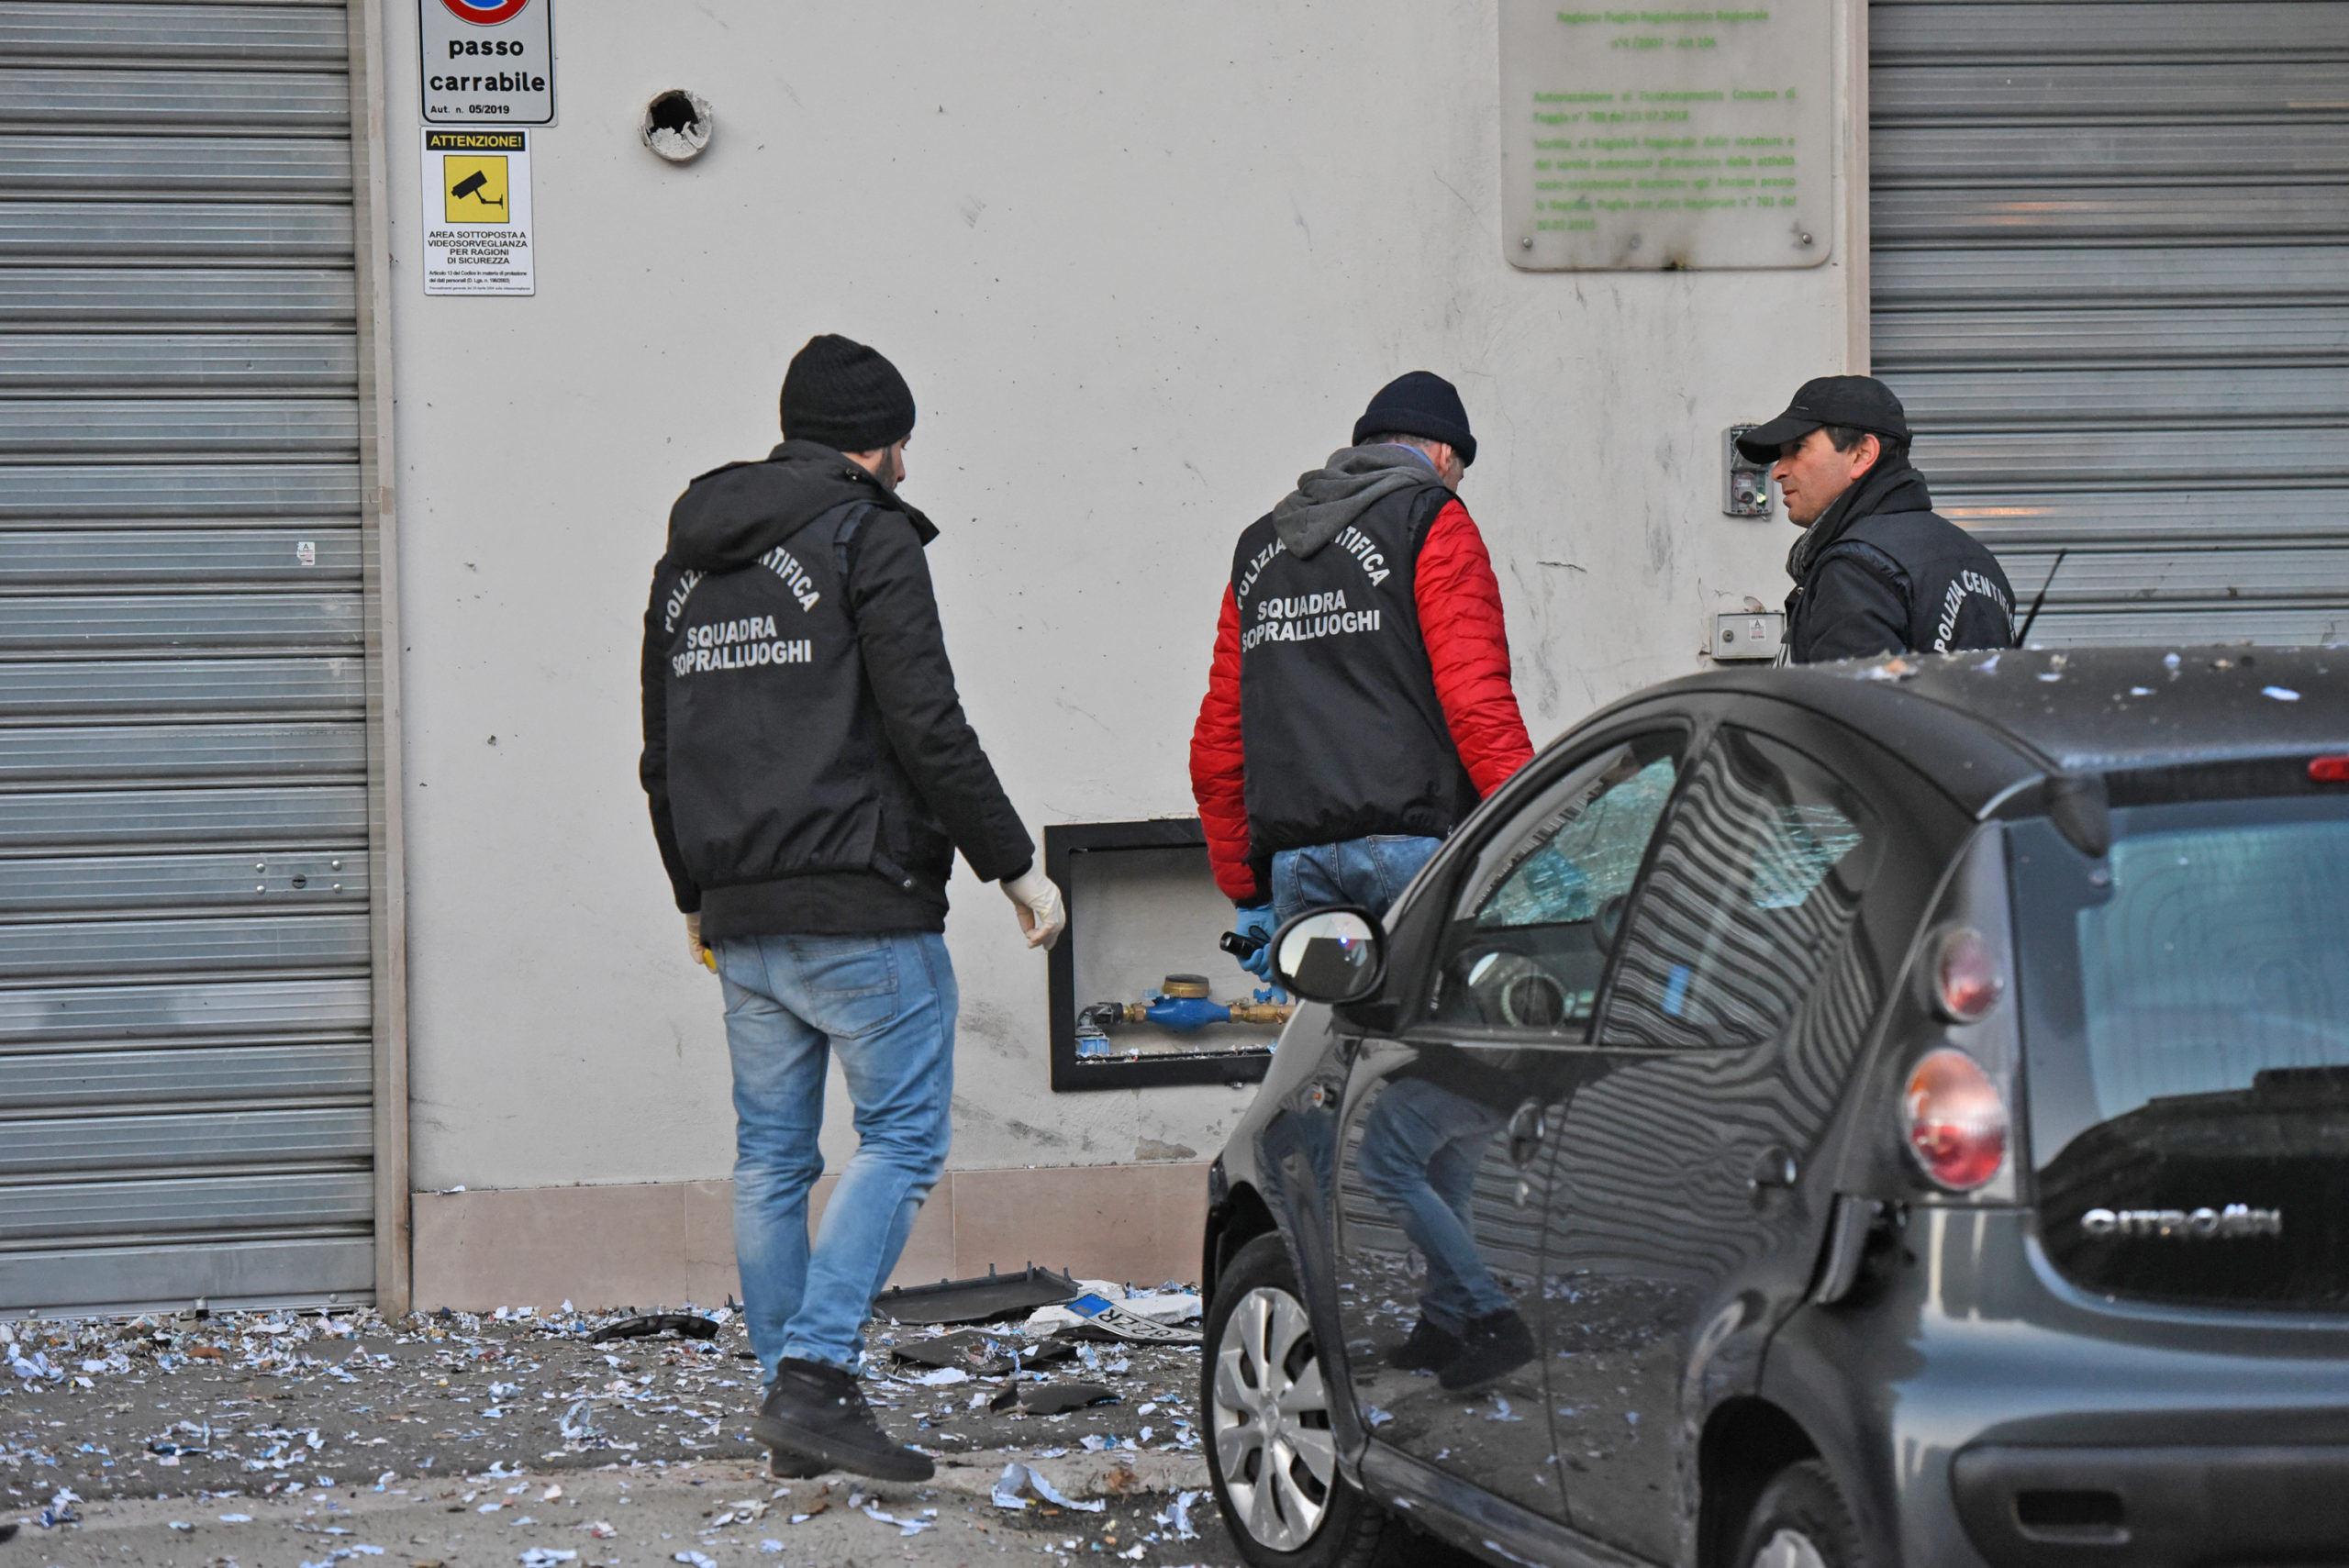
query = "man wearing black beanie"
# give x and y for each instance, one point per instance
(811, 776)
(1358, 708)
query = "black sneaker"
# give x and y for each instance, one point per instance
(818, 1413)
(786, 1465)
(1492, 1346)
(1428, 1349)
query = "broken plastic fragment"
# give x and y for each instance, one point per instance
(692, 1325)
(1058, 1398)
(1095, 1312)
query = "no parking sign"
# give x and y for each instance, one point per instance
(487, 62)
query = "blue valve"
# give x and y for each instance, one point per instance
(1185, 1014)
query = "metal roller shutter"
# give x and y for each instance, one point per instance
(186, 1066)
(2111, 280)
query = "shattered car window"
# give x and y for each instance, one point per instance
(1537, 912)
(1585, 850)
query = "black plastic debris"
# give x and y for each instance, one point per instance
(1058, 1398)
(980, 1353)
(979, 1300)
(691, 1325)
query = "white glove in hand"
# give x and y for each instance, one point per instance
(1038, 904)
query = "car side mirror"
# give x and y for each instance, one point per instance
(1330, 955)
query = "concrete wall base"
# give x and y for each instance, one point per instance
(673, 1242)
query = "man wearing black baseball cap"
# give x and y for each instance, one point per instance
(1876, 570)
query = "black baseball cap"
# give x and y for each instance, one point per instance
(1858, 401)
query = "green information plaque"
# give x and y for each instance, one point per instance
(1658, 138)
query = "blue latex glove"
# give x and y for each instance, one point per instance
(1256, 921)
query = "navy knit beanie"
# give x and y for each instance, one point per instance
(1420, 404)
(846, 396)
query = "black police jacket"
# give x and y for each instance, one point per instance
(1881, 573)
(1340, 720)
(808, 763)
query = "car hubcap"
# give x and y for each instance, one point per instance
(1272, 1422)
(1789, 1549)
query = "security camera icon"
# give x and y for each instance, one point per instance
(471, 186)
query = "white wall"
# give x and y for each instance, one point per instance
(1141, 264)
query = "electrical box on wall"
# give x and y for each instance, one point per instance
(1743, 635)
(1747, 482)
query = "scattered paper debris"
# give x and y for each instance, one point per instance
(1018, 1478)
(905, 1527)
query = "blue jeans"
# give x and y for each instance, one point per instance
(1370, 872)
(886, 1004)
(1420, 1148)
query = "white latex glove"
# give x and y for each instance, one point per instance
(1037, 902)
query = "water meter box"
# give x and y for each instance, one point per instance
(1144, 916)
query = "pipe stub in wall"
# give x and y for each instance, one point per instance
(677, 125)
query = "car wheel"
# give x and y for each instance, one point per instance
(1800, 1522)
(1270, 1455)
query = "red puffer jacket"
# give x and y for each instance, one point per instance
(1459, 606)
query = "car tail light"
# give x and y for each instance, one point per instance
(1956, 1120)
(1966, 981)
(2329, 770)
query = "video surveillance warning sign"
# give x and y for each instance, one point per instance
(477, 212)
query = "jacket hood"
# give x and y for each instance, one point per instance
(731, 516)
(1890, 486)
(1332, 496)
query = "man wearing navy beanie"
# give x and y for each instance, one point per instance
(1359, 705)
(1358, 708)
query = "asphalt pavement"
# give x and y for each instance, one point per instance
(283, 1439)
(455, 1440)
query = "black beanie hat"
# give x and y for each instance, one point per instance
(846, 396)
(1420, 404)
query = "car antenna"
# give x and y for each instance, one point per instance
(2041, 598)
